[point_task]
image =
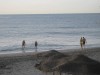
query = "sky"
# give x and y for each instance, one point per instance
(49, 6)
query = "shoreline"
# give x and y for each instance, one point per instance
(32, 49)
(21, 53)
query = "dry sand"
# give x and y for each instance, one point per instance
(23, 63)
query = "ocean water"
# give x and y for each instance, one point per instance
(52, 31)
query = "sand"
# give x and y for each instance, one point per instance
(23, 63)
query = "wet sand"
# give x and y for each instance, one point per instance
(23, 63)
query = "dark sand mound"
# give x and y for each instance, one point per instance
(78, 63)
(51, 59)
(49, 53)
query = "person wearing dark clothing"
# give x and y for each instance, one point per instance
(36, 44)
(84, 41)
(23, 44)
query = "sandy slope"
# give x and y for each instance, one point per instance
(23, 64)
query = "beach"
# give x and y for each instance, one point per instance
(23, 63)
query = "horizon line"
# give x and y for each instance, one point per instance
(44, 13)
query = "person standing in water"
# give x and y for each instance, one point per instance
(23, 44)
(84, 41)
(36, 44)
(81, 43)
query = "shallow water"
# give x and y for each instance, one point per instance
(52, 31)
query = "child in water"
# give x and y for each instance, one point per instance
(23, 44)
(36, 44)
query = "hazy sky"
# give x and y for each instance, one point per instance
(49, 6)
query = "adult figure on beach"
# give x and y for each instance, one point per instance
(36, 44)
(23, 44)
(84, 41)
(81, 43)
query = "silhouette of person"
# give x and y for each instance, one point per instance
(36, 44)
(81, 43)
(23, 44)
(84, 41)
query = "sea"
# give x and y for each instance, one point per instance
(51, 31)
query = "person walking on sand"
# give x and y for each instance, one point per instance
(81, 43)
(84, 41)
(23, 44)
(36, 44)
